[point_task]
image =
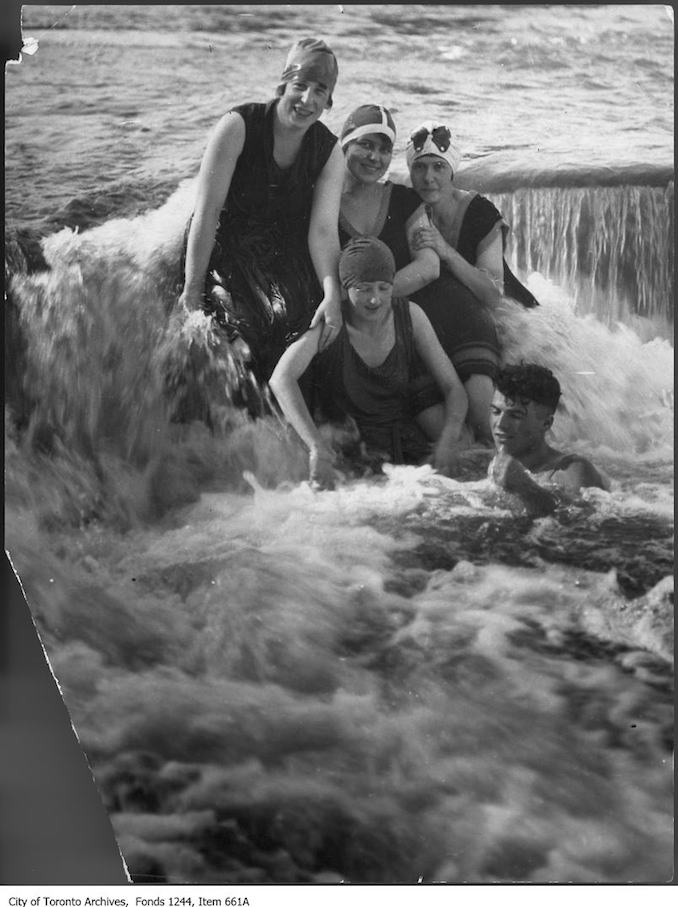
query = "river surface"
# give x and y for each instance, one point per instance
(406, 677)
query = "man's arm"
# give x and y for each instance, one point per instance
(512, 476)
(572, 473)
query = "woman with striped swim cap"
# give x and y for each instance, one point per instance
(378, 207)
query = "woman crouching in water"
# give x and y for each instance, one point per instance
(369, 373)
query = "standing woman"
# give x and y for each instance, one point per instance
(468, 234)
(262, 246)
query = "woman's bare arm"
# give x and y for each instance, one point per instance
(425, 265)
(485, 279)
(323, 243)
(284, 383)
(214, 180)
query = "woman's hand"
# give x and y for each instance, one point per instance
(329, 315)
(214, 180)
(190, 301)
(321, 467)
(430, 238)
(445, 462)
(445, 457)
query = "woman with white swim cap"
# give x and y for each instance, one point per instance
(468, 234)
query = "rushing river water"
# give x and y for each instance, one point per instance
(402, 678)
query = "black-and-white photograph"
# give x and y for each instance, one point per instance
(339, 376)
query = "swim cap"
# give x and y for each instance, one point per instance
(366, 258)
(365, 120)
(311, 59)
(432, 138)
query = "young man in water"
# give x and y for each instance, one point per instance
(524, 402)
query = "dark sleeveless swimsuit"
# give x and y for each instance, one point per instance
(381, 398)
(481, 215)
(260, 255)
(400, 203)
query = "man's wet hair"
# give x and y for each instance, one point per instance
(529, 382)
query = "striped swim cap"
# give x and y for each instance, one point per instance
(366, 120)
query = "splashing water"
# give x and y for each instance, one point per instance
(265, 696)
(617, 390)
(398, 679)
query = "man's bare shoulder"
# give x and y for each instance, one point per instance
(573, 472)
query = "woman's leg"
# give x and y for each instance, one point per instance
(480, 390)
(429, 414)
(432, 420)
(468, 334)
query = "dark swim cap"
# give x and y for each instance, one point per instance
(311, 59)
(366, 258)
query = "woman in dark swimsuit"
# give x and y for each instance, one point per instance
(262, 246)
(370, 373)
(461, 221)
(371, 206)
(468, 234)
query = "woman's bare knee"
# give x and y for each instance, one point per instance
(480, 390)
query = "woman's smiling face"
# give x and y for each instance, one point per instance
(368, 158)
(302, 102)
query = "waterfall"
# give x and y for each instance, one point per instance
(603, 235)
(610, 247)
